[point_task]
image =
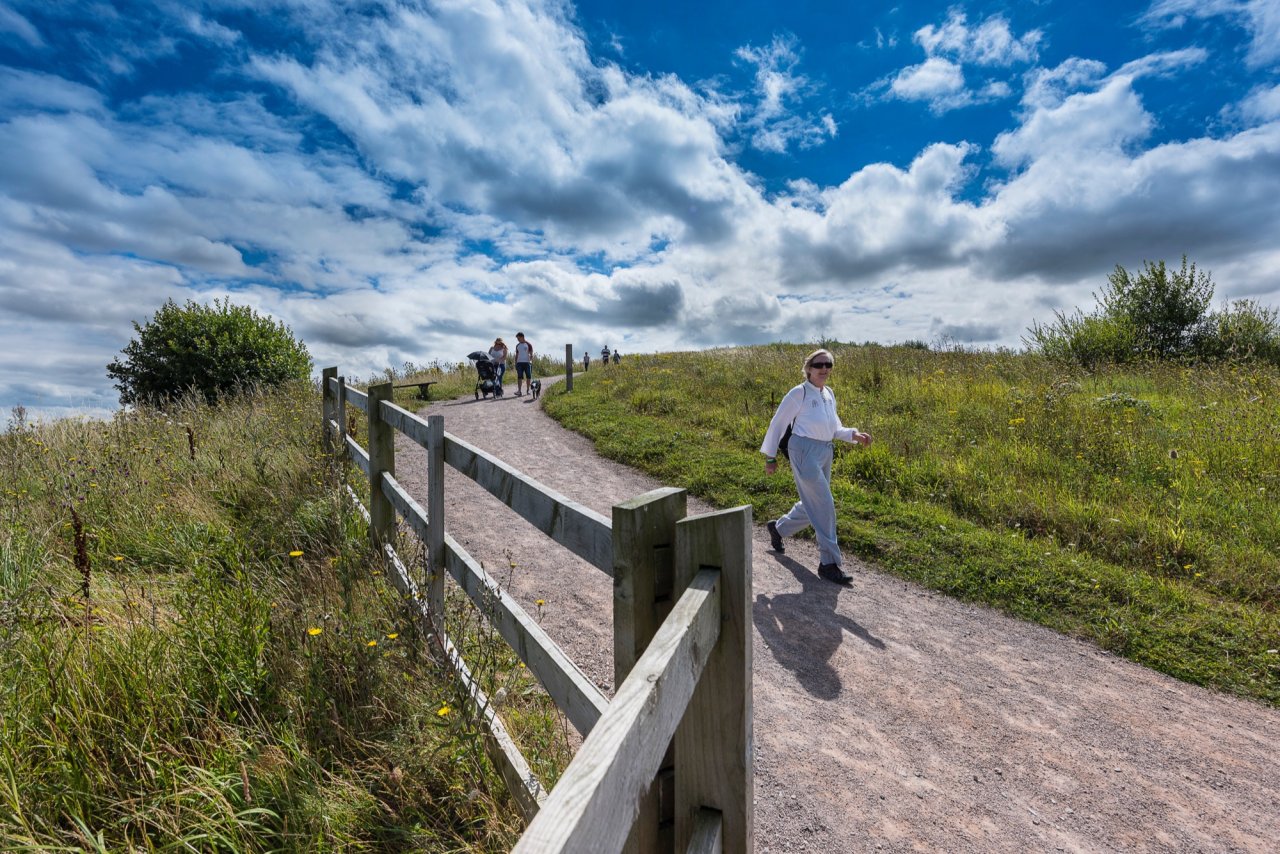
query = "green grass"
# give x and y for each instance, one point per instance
(198, 650)
(1135, 507)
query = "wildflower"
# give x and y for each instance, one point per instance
(372, 643)
(393, 636)
(541, 602)
(314, 630)
(444, 710)
(295, 553)
(118, 558)
(1013, 422)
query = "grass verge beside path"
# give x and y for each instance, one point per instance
(1137, 508)
(198, 651)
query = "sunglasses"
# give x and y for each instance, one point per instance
(819, 365)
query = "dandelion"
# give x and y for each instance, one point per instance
(393, 636)
(295, 553)
(541, 602)
(444, 710)
(314, 630)
(372, 643)
(118, 558)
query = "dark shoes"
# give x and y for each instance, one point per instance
(833, 572)
(775, 539)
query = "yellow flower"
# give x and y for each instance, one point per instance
(295, 553)
(444, 710)
(541, 602)
(314, 630)
(372, 643)
(393, 636)
(118, 557)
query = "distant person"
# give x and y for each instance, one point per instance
(604, 354)
(524, 363)
(498, 355)
(810, 410)
(617, 357)
(586, 362)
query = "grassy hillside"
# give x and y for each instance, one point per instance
(197, 650)
(1135, 507)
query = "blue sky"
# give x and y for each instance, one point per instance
(404, 181)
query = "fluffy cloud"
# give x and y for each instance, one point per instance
(990, 43)
(772, 123)
(1260, 18)
(940, 80)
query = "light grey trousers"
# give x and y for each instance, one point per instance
(811, 468)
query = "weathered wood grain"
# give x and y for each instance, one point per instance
(594, 804)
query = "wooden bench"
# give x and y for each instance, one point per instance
(424, 389)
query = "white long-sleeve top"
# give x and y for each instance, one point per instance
(813, 410)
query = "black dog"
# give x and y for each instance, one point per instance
(535, 388)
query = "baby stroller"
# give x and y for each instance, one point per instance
(487, 382)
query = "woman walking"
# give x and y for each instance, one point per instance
(810, 410)
(498, 355)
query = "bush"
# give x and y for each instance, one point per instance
(1157, 313)
(209, 349)
(1244, 330)
(1162, 307)
(1087, 340)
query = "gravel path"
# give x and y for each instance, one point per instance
(891, 718)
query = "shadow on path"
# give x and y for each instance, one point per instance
(803, 630)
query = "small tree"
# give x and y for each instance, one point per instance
(1161, 308)
(210, 349)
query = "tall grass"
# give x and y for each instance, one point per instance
(198, 651)
(1136, 507)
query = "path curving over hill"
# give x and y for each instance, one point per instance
(891, 718)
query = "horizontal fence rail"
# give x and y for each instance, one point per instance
(579, 529)
(521, 782)
(591, 807)
(581, 701)
(667, 764)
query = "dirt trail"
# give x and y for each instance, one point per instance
(890, 718)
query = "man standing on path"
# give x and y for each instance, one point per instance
(524, 363)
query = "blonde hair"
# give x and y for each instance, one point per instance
(808, 360)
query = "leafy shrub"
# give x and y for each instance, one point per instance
(1162, 307)
(212, 350)
(1156, 313)
(1085, 339)
(1243, 330)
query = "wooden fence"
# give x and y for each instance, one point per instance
(667, 764)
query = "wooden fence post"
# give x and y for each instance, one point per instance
(644, 530)
(382, 458)
(714, 749)
(435, 521)
(327, 407)
(342, 416)
(568, 367)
